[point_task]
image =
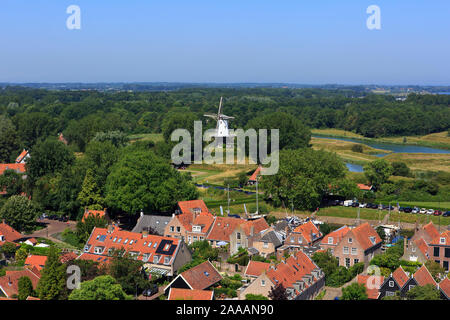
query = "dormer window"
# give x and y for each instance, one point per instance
(372, 239)
(330, 240)
(196, 229)
(87, 248)
(197, 210)
(156, 243)
(125, 242)
(155, 259)
(149, 244)
(99, 250)
(146, 256)
(350, 240)
(166, 260)
(442, 240)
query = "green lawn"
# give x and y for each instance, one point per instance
(352, 213)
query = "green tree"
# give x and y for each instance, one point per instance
(25, 288)
(52, 285)
(178, 120)
(21, 254)
(100, 288)
(90, 194)
(378, 172)
(49, 156)
(13, 182)
(400, 169)
(435, 269)
(357, 148)
(278, 292)
(8, 249)
(84, 228)
(20, 213)
(427, 292)
(355, 291)
(9, 142)
(141, 180)
(255, 297)
(345, 188)
(303, 178)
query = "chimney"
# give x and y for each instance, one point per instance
(110, 228)
(252, 229)
(142, 213)
(85, 210)
(144, 233)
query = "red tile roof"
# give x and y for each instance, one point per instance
(202, 276)
(21, 156)
(18, 167)
(431, 230)
(372, 284)
(256, 268)
(187, 294)
(9, 283)
(223, 227)
(437, 240)
(258, 226)
(307, 229)
(189, 219)
(98, 213)
(36, 261)
(364, 187)
(364, 233)
(255, 174)
(9, 234)
(132, 242)
(444, 286)
(424, 277)
(337, 235)
(189, 206)
(68, 257)
(422, 246)
(400, 276)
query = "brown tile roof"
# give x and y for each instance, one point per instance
(21, 156)
(400, 276)
(444, 286)
(9, 233)
(364, 187)
(337, 235)
(375, 284)
(258, 226)
(36, 261)
(9, 283)
(424, 277)
(307, 229)
(202, 276)
(18, 167)
(363, 233)
(89, 212)
(255, 174)
(187, 294)
(437, 240)
(223, 227)
(256, 268)
(431, 230)
(422, 246)
(189, 206)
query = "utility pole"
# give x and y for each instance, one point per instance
(257, 208)
(228, 198)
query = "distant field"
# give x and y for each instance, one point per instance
(423, 161)
(337, 133)
(345, 212)
(429, 205)
(155, 137)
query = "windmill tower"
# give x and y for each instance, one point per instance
(222, 131)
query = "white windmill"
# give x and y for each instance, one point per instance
(222, 130)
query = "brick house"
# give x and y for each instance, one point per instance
(266, 242)
(359, 244)
(415, 250)
(439, 249)
(301, 277)
(244, 233)
(331, 240)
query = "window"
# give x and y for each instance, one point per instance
(98, 250)
(292, 239)
(178, 229)
(413, 249)
(300, 240)
(172, 228)
(330, 240)
(436, 251)
(131, 242)
(345, 250)
(447, 253)
(389, 293)
(238, 236)
(347, 262)
(350, 240)
(87, 247)
(354, 251)
(120, 239)
(445, 265)
(189, 239)
(391, 284)
(166, 247)
(442, 240)
(355, 261)
(201, 238)
(115, 238)
(166, 260)
(263, 283)
(155, 259)
(196, 229)
(149, 244)
(265, 245)
(195, 238)
(411, 286)
(156, 243)
(125, 242)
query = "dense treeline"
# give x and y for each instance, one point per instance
(81, 114)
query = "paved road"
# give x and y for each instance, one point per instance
(53, 226)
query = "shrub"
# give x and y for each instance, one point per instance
(357, 148)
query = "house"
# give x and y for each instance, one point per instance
(153, 224)
(9, 283)
(23, 156)
(255, 268)
(301, 277)
(222, 229)
(254, 176)
(8, 234)
(444, 288)
(192, 224)
(428, 232)
(161, 255)
(244, 232)
(187, 294)
(359, 244)
(96, 213)
(201, 277)
(35, 261)
(304, 235)
(395, 282)
(31, 242)
(372, 284)
(266, 242)
(364, 187)
(17, 167)
(439, 249)
(331, 240)
(415, 250)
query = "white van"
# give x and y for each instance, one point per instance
(348, 203)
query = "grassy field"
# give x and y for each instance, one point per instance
(436, 140)
(422, 161)
(352, 213)
(155, 137)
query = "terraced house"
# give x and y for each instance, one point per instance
(439, 249)
(161, 255)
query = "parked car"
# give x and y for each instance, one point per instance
(355, 204)
(150, 291)
(415, 210)
(430, 211)
(348, 203)
(437, 212)
(53, 217)
(362, 205)
(446, 214)
(401, 209)
(408, 210)
(423, 211)
(371, 206)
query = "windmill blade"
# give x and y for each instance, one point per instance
(220, 107)
(210, 115)
(222, 116)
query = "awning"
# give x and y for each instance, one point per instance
(222, 243)
(159, 271)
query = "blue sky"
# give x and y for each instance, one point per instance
(296, 41)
